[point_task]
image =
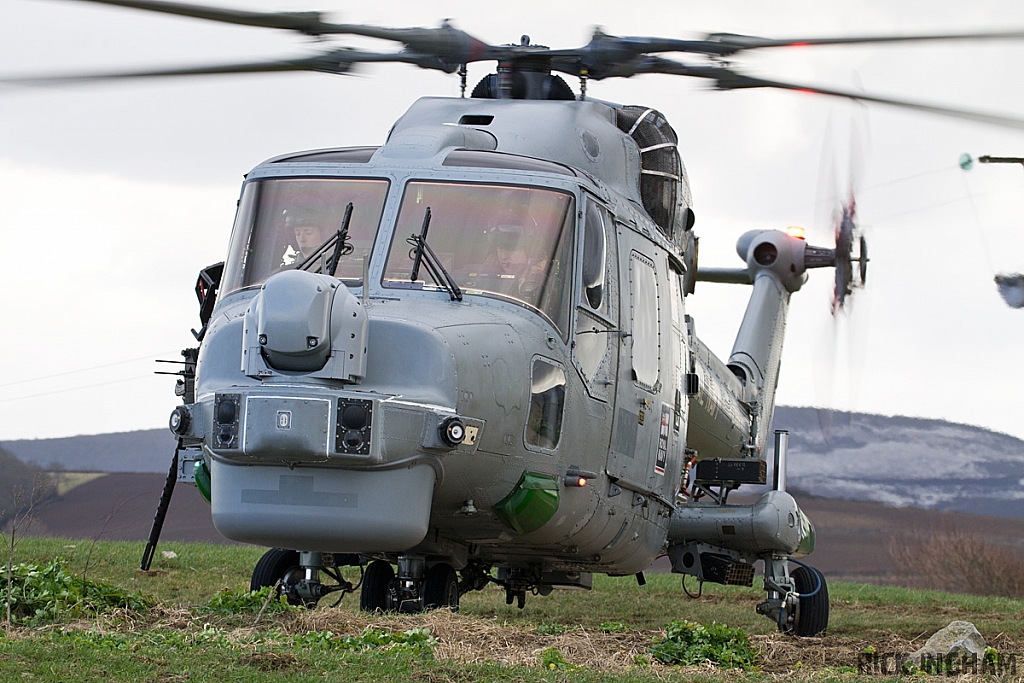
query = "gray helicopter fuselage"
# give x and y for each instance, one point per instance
(566, 366)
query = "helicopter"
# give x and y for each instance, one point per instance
(491, 325)
(1010, 285)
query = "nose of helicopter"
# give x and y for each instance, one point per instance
(307, 448)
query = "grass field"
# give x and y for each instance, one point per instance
(603, 635)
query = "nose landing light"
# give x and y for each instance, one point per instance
(180, 420)
(453, 431)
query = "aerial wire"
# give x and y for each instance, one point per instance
(935, 171)
(89, 369)
(66, 391)
(977, 225)
(948, 202)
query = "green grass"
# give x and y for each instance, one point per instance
(911, 612)
(57, 659)
(200, 628)
(198, 572)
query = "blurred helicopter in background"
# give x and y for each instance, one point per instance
(1009, 285)
(464, 353)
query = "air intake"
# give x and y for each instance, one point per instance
(663, 187)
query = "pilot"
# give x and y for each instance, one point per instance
(308, 237)
(511, 260)
(514, 270)
(306, 231)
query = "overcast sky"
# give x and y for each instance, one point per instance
(112, 197)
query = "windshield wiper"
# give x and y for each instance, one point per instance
(422, 254)
(339, 240)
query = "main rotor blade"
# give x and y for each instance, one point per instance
(727, 79)
(446, 42)
(735, 42)
(309, 23)
(310, 64)
(333, 62)
(606, 52)
(981, 117)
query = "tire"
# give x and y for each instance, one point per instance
(272, 567)
(812, 618)
(377, 582)
(275, 565)
(441, 588)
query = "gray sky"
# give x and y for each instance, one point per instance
(112, 197)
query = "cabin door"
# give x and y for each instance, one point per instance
(639, 450)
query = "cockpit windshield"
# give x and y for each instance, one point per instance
(281, 221)
(508, 241)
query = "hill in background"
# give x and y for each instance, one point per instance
(905, 462)
(147, 450)
(18, 482)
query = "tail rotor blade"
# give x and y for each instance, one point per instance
(824, 381)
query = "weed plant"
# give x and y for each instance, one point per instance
(690, 643)
(244, 601)
(551, 658)
(41, 594)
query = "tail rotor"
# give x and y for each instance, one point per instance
(849, 259)
(851, 268)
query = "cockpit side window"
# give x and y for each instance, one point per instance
(547, 398)
(506, 241)
(595, 256)
(596, 343)
(281, 221)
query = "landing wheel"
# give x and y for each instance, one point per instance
(274, 564)
(441, 588)
(377, 583)
(277, 565)
(280, 564)
(812, 616)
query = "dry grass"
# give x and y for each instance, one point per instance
(477, 640)
(958, 561)
(271, 661)
(473, 639)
